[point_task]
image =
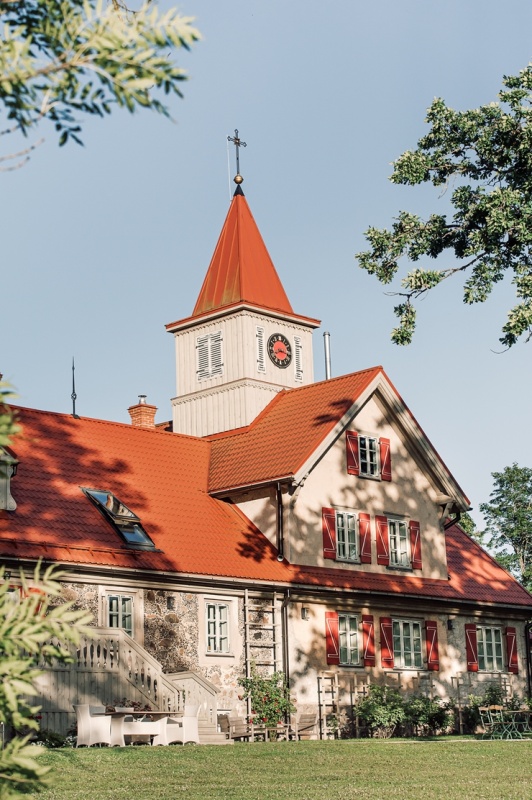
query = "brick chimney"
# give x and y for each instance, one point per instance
(142, 415)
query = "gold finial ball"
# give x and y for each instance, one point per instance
(238, 179)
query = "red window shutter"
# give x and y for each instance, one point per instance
(431, 639)
(415, 545)
(386, 460)
(511, 650)
(383, 548)
(364, 534)
(368, 638)
(386, 643)
(332, 642)
(471, 647)
(351, 451)
(328, 524)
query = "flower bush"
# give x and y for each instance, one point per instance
(269, 696)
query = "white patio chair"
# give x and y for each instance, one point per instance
(184, 729)
(93, 728)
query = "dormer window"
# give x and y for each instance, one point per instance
(8, 469)
(122, 518)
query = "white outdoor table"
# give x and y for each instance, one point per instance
(156, 726)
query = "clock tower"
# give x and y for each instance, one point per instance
(243, 342)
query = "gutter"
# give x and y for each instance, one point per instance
(162, 580)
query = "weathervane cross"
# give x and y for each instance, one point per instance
(238, 143)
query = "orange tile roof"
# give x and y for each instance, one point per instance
(474, 577)
(286, 433)
(241, 270)
(163, 478)
(160, 476)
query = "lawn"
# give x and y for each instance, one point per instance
(445, 769)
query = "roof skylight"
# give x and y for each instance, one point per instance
(123, 519)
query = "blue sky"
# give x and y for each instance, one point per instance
(103, 245)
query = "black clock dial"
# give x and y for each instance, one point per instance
(280, 350)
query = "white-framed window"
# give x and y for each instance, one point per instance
(122, 608)
(490, 649)
(407, 644)
(346, 536)
(348, 639)
(217, 624)
(368, 450)
(120, 612)
(261, 361)
(398, 536)
(209, 355)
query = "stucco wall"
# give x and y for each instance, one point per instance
(409, 495)
(308, 654)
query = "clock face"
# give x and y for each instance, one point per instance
(279, 350)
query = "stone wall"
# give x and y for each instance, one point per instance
(171, 629)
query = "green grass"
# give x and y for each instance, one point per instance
(444, 769)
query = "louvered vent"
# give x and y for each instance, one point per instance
(261, 364)
(298, 358)
(209, 355)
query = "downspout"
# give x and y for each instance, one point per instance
(280, 522)
(284, 629)
(453, 521)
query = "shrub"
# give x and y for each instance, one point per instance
(428, 717)
(381, 711)
(29, 629)
(51, 740)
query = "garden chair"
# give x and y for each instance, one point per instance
(239, 729)
(184, 729)
(497, 725)
(304, 726)
(93, 726)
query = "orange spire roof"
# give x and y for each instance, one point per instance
(241, 270)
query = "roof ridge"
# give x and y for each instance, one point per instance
(127, 425)
(307, 386)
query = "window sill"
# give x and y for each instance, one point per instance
(216, 654)
(347, 560)
(399, 568)
(408, 669)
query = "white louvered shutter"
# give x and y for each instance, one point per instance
(217, 366)
(298, 358)
(261, 364)
(202, 350)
